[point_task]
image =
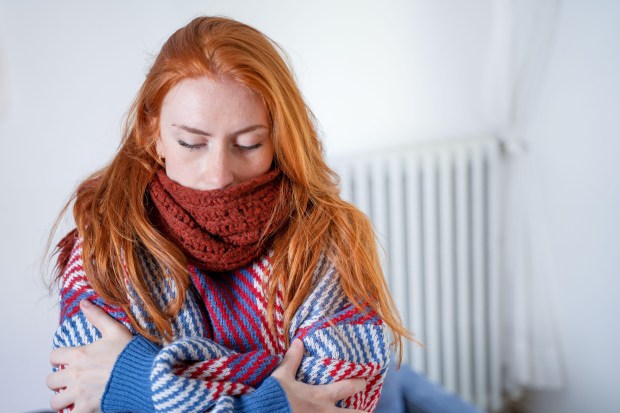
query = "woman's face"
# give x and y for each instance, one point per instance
(214, 134)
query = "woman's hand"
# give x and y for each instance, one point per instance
(87, 369)
(312, 398)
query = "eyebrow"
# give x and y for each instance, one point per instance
(201, 132)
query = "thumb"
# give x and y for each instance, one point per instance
(292, 358)
(99, 318)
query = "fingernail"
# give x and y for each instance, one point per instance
(86, 304)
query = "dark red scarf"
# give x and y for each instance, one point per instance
(222, 229)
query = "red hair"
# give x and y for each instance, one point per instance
(109, 208)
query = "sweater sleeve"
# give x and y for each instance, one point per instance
(193, 374)
(74, 329)
(129, 386)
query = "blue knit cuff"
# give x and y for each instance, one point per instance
(129, 386)
(268, 397)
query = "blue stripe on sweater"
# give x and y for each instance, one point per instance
(78, 297)
(220, 317)
(232, 365)
(249, 307)
(322, 372)
(357, 352)
(377, 357)
(183, 385)
(260, 370)
(200, 403)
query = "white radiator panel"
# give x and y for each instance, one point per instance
(434, 209)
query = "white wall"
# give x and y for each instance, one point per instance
(577, 127)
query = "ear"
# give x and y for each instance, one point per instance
(159, 147)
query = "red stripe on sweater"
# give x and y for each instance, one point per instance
(74, 258)
(75, 276)
(250, 371)
(279, 316)
(69, 303)
(216, 388)
(218, 327)
(197, 283)
(224, 303)
(203, 366)
(279, 311)
(255, 326)
(201, 291)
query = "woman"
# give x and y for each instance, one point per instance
(217, 238)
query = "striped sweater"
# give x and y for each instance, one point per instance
(223, 352)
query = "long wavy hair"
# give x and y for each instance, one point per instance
(109, 206)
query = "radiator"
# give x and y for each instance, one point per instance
(435, 211)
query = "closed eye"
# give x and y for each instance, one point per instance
(248, 148)
(191, 147)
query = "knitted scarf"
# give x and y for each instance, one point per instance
(222, 229)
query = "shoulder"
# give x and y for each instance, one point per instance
(325, 298)
(70, 263)
(74, 285)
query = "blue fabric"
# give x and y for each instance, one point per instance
(392, 399)
(405, 391)
(268, 397)
(129, 386)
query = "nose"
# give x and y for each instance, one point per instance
(218, 171)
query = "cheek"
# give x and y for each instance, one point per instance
(252, 167)
(180, 170)
(265, 162)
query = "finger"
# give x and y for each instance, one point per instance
(61, 400)
(85, 406)
(99, 318)
(292, 358)
(64, 355)
(56, 380)
(344, 389)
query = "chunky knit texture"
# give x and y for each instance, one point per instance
(224, 351)
(219, 230)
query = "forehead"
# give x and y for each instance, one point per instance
(209, 97)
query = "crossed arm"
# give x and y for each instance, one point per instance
(88, 369)
(105, 367)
